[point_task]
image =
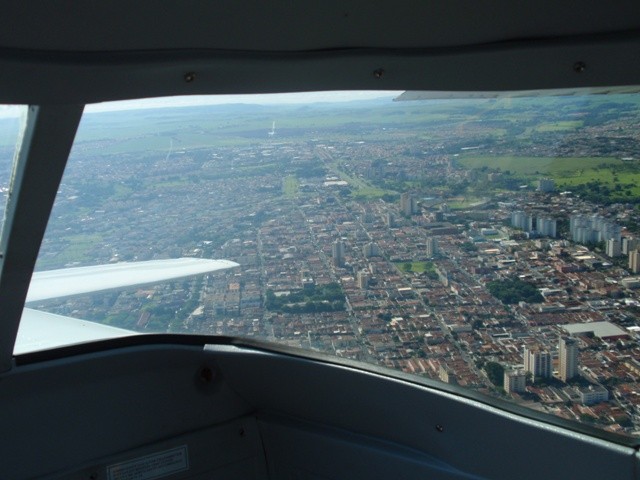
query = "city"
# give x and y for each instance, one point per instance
(489, 244)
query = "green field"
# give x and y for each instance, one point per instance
(290, 186)
(416, 267)
(618, 182)
(559, 126)
(77, 249)
(535, 166)
(610, 178)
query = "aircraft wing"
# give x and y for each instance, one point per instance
(40, 330)
(67, 282)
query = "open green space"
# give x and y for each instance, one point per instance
(314, 298)
(600, 179)
(361, 188)
(617, 182)
(559, 126)
(514, 291)
(77, 249)
(416, 267)
(554, 167)
(290, 186)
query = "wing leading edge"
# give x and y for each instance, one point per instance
(40, 330)
(67, 282)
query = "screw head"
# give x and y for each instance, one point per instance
(378, 73)
(579, 67)
(206, 375)
(189, 77)
(440, 428)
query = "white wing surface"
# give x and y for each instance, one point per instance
(40, 330)
(75, 281)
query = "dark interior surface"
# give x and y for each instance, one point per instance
(268, 415)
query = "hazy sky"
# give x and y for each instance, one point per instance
(8, 111)
(261, 99)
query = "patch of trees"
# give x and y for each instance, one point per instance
(468, 247)
(514, 291)
(495, 372)
(315, 298)
(598, 192)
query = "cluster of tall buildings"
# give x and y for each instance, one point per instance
(544, 226)
(539, 362)
(408, 204)
(631, 247)
(593, 229)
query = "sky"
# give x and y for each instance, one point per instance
(13, 111)
(260, 99)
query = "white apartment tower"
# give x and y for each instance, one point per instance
(537, 362)
(634, 261)
(568, 356)
(515, 381)
(432, 247)
(338, 253)
(547, 227)
(614, 248)
(363, 279)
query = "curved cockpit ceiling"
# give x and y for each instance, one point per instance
(95, 51)
(286, 26)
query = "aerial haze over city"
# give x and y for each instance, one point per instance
(487, 243)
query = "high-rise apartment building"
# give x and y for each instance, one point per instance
(521, 220)
(338, 253)
(547, 227)
(515, 381)
(634, 261)
(568, 356)
(432, 247)
(537, 362)
(408, 204)
(363, 279)
(371, 250)
(613, 248)
(629, 244)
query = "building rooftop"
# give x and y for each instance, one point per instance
(599, 329)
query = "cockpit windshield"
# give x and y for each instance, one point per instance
(489, 242)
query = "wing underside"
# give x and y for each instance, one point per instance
(40, 330)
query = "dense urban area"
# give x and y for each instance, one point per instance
(487, 243)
